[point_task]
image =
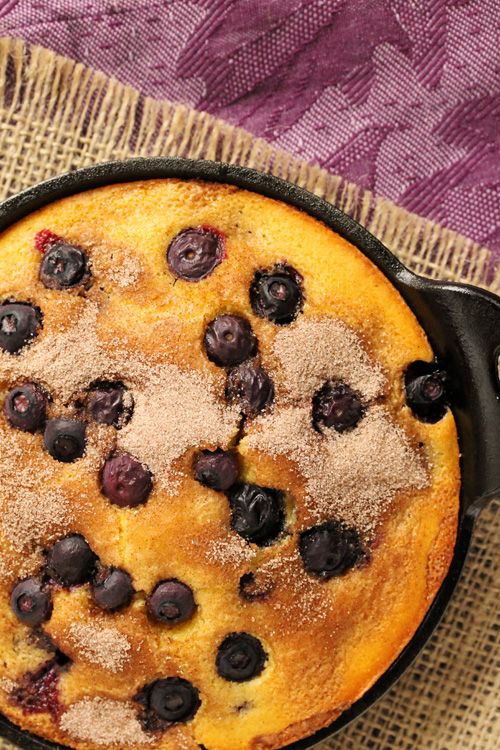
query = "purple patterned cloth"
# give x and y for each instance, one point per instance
(399, 96)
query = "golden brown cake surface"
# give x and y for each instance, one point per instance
(386, 488)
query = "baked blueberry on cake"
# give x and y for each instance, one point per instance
(229, 471)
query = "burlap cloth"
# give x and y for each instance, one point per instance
(56, 116)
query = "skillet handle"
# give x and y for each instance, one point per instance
(466, 322)
(483, 311)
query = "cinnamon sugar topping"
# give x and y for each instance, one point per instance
(231, 551)
(352, 476)
(103, 721)
(32, 511)
(173, 412)
(67, 361)
(30, 516)
(314, 351)
(127, 273)
(104, 646)
(305, 602)
(119, 265)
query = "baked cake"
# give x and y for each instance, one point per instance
(230, 475)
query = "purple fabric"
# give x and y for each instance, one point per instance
(399, 96)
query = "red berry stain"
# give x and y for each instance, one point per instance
(38, 692)
(45, 239)
(220, 235)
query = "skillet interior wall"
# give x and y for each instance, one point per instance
(56, 116)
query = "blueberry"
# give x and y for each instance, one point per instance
(229, 340)
(30, 602)
(194, 253)
(216, 469)
(71, 561)
(125, 481)
(25, 407)
(426, 390)
(338, 406)
(106, 404)
(65, 439)
(38, 692)
(257, 512)
(172, 602)
(251, 387)
(330, 549)
(240, 657)
(63, 266)
(19, 324)
(170, 700)
(112, 589)
(255, 587)
(276, 294)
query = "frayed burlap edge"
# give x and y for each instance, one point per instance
(94, 118)
(55, 116)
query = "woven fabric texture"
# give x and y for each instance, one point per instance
(399, 96)
(55, 116)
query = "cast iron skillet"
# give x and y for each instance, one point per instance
(463, 326)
